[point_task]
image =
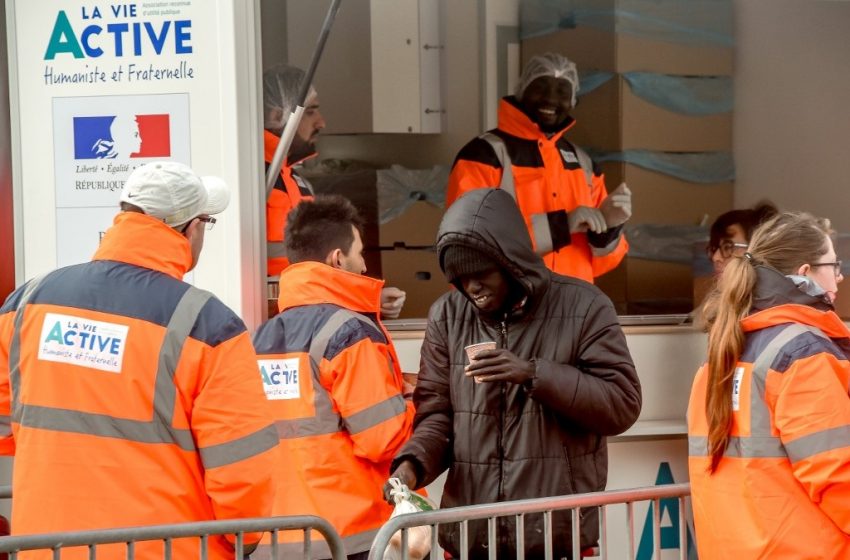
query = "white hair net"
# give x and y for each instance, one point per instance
(549, 64)
(280, 94)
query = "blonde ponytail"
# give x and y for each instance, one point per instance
(783, 243)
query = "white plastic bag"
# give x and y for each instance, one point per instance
(418, 538)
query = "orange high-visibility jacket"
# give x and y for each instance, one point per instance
(129, 397)
(288, 191)
(782, 489)
(549, 183)
(333, 379)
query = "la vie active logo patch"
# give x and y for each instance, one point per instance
(83, 342)
(280, 378)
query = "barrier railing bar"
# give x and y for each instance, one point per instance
(603, 531)
(491, 538)
(275, 545)
(465, 514)
(435, 543)
(520, 536)
(240, 546)
(57, 541)
(547, 534)
(656, 528)
(575, 520)
(683, 530)
(464, 539)
(308, 542)
(630, 528)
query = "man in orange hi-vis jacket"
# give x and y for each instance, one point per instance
(127, 396)
(574, 225)
(332, 375)
(280, 96)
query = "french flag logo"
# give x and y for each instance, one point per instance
(122, 136)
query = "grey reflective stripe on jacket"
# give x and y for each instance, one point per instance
(540, 230)
(498, 145)
(507, 182)
(275, 249)
(761, 443)
(15, 351)
(159, 429)
(326, 420)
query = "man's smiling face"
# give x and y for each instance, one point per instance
(548, 100)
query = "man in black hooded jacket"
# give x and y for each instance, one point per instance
(529, 418)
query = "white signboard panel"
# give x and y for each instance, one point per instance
(98, 88)
(97, 142)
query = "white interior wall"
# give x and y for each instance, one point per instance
(273, 31)
(792, 120)
(461, 90)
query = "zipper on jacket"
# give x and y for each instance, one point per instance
(503, 404)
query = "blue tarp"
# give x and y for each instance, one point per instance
(689, 95)
(399, 188)
(701, 167)
(589, 81)
(705, 22)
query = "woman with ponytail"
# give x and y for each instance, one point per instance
(769, 413)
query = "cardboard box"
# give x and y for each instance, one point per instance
(613, 118)
(647, 287)
(613, 284)
(418, 273)
(661, 199)
(656, 287)
(594, 49)
(415, 228)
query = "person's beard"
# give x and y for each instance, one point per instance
(301, 149)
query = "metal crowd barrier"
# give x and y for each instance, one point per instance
(519, 508)
(55, 542)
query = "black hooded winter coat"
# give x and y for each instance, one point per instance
(503, 441)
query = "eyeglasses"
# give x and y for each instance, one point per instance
(836, 267)
(727, 248)
(209, 220)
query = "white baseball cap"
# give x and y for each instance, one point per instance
(172, 192)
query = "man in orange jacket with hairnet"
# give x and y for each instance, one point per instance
(575, 226)
(281, 84)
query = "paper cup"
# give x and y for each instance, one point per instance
(473, 349)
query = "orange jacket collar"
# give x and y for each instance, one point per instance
(516, 123)
(270, 141)
(309, 283)
(827, 321)
(147, 242)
